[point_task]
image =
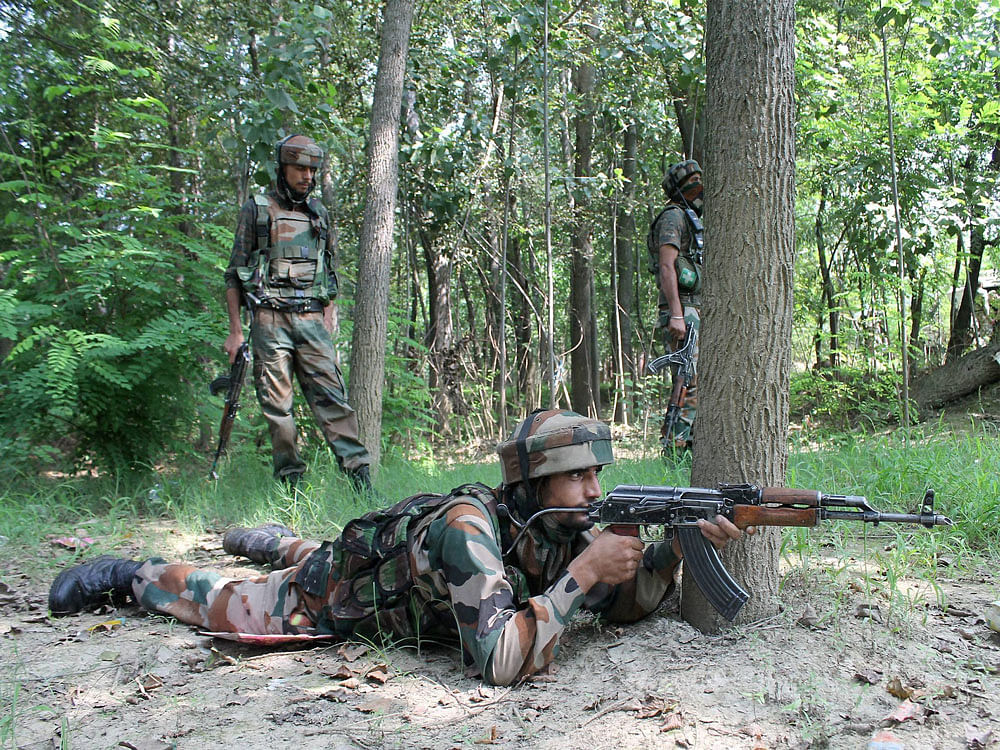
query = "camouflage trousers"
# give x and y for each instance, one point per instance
(271, 604)
(682, 434)
(288, 342)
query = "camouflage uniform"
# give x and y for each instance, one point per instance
(288, 335)
(470, 565)
(672, 227)
(508, 611)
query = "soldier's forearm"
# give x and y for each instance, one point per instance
(233, 310)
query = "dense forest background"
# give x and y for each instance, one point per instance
(130, 133)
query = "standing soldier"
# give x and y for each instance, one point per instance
(676, 249)
(282, 267)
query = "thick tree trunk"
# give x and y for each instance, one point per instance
(371, 304)
(745, 357)
(959, 377)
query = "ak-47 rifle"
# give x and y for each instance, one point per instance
(232, 384)
(684, 359)
(629, 508)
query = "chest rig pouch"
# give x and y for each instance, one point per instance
(688, 263)
(289, 262)
(364, 574)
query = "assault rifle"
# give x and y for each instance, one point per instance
(232, 384)
(684, 359)
(628, 508)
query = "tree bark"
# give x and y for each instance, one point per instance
(962, 333)
(745, 356)
(829, 296)
(371, 305)
(440, 336)
(958, 378)
(624, 280)
(584, 394)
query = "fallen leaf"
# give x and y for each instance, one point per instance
(378, 675)
(342, 672)
(906, 711)
(966, 633)
(150, 682)
(336, 694)
(809, 619)
(947, 691)
(352, 652)
(490, 739)
(351, 683)
(976, 738)
(896, 688)
(480, 695)
(654, 706)
(671, 722)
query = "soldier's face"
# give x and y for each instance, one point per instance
(299, 178)
(572, 489)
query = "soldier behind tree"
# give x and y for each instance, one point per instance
(282, 265)
(675, 246)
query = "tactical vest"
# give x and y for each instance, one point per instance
(365, 573)
(289, 262)
(688, 264)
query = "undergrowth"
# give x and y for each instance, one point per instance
(891, 471)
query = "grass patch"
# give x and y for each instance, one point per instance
(892, 472)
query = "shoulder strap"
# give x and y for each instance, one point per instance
(263, 222)
(697, 234)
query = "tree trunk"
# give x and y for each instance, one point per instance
(524, 322)
(624, 280)
(829, 296)
(962, 333)
(750, 246)
(584, 394)
(440, 334)
(958, 378)
(371, 305)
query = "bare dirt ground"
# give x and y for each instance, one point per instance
(816, 675)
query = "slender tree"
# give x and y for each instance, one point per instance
(371, 309)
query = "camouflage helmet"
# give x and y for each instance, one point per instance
(298, 149)
(678, 173)
(551, 442)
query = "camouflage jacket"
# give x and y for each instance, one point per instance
(507, 611)
(672, 227)
(245, 242)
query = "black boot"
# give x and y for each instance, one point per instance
(102, 580)
(259, 544)
(361, 478)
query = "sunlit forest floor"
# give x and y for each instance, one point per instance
(878, 633)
